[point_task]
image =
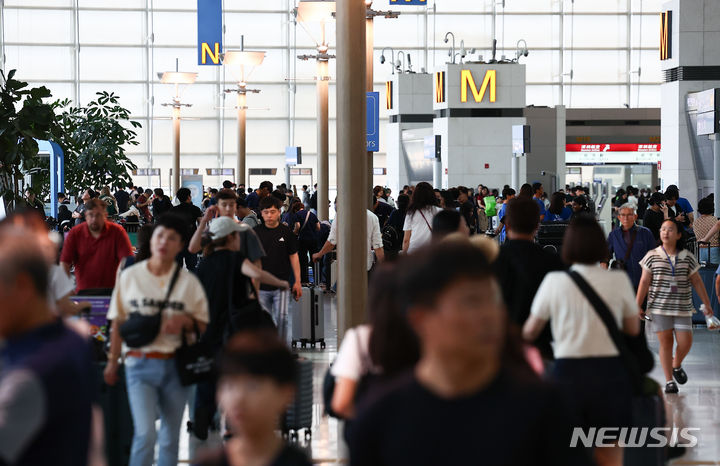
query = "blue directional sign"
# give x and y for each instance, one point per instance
(409, 2)
(373, 121)
(209, 44)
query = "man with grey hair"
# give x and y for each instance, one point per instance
(46, 380)
(629, 243)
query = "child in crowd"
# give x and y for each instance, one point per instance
(257, 383)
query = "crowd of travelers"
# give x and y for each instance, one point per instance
(477, 337)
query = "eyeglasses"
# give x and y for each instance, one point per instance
(626, 215)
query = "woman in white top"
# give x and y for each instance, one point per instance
(419, 217)
(588, 365)
(153, 384)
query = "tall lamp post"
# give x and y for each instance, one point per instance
(370, 16)
(237, 61)
(318, 11)
(177, 78)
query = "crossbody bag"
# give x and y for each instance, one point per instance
(140, 330)
(622, 264)
(426, 222)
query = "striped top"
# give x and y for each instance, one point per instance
(661, 298)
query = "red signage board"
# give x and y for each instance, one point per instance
(612, 147)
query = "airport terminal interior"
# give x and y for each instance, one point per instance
(241, 197)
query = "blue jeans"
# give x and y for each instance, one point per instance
(154, 389)
(271, 301)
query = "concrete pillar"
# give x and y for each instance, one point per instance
(369, 79)
(176, 150)
(322, 140)
(240, 177)
(351, 165)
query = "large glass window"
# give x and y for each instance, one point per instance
(79, 47)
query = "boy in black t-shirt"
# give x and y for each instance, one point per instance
(281, 260)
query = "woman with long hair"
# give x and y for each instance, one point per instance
(526, 191)
(669, 274)
(383, 347)
(419, 217)
(558, 212)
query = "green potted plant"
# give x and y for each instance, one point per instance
(94, 138)
(24, 117)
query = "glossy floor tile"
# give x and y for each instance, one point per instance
(698, 403)
(696, 406)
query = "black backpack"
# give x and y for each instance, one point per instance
(391, 238)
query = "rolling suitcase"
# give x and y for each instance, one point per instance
(116, 417)
(299, 415)
(707, 274)
(308, 318)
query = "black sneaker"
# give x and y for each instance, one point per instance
(671, 387)
(680, 375)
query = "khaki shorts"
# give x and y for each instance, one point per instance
(661, 323)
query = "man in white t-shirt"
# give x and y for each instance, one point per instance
(374, 240)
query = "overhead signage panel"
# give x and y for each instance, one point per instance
(497, 86)
(666, 35)
(373, 121)
(602, 158)
(209, 21)
(293, 155)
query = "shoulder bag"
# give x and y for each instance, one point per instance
(141, 330)
(634, 351)
(194, 362)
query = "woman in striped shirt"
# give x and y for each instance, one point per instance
(669, 271)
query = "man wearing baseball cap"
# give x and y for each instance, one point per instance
(225, 275)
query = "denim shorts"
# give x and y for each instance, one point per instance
(661, 323)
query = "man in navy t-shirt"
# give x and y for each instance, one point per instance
(46, 380)
(537, 197)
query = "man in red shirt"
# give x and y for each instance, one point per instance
(95, 248)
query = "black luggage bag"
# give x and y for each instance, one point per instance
(116, 417)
